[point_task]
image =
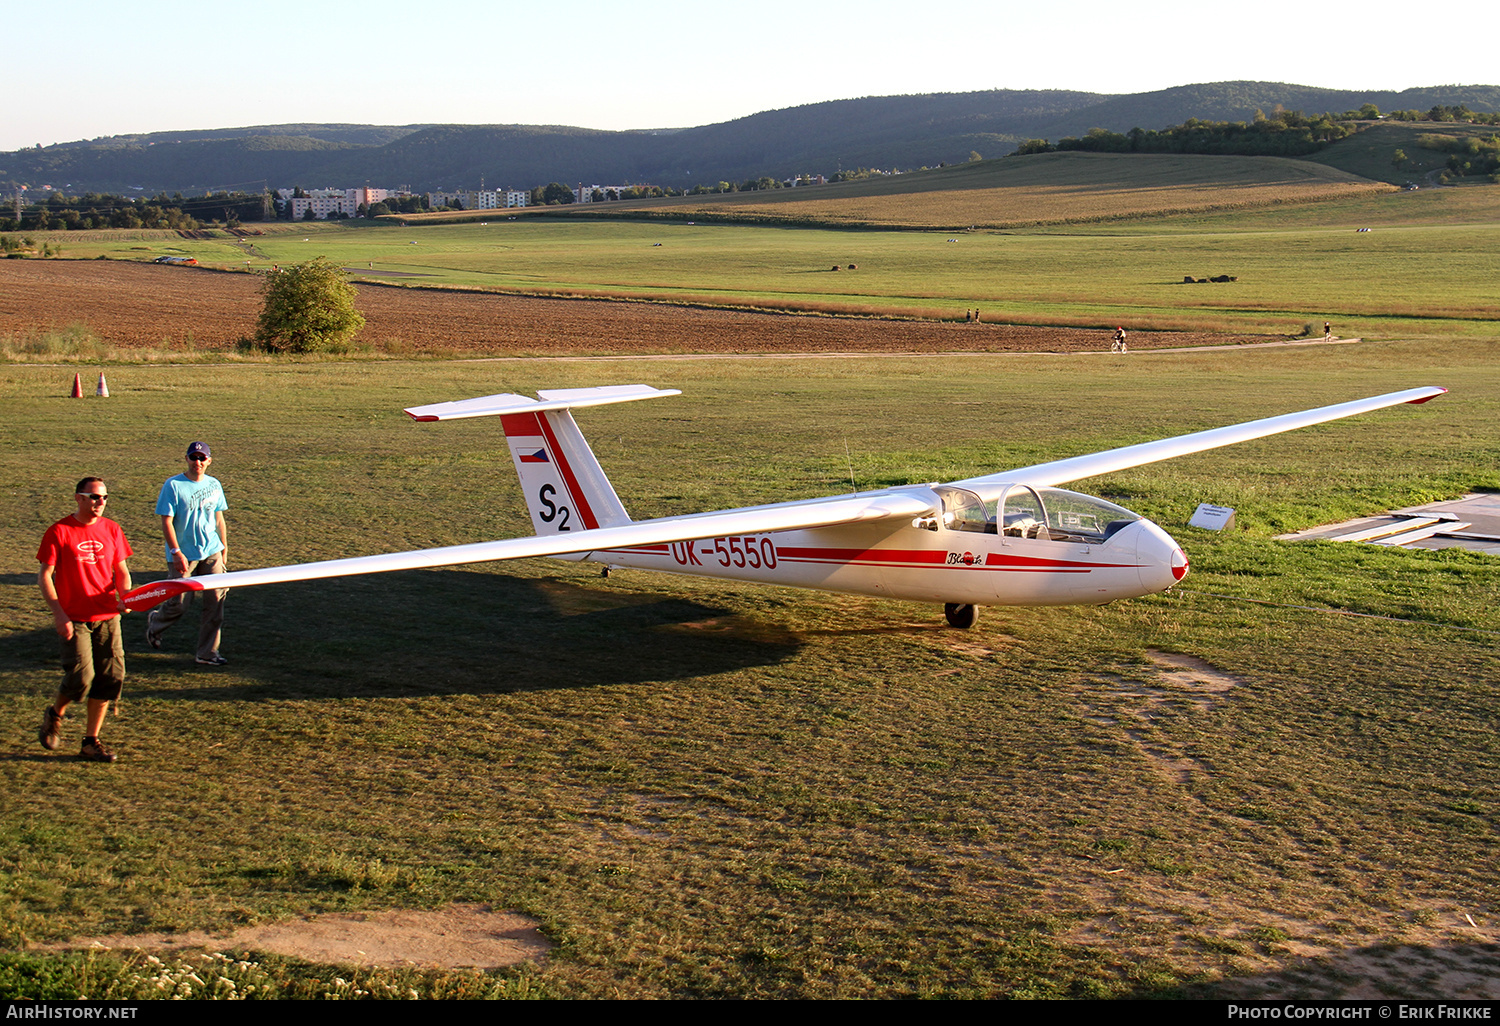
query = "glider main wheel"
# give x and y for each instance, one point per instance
(961, 615)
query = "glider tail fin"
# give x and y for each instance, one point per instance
(564, 486)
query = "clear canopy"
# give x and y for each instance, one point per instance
(1052, 514)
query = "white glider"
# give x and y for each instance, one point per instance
(1011, 538)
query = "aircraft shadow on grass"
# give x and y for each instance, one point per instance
(1444, 971)
(449, 632)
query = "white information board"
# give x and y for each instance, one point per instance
(1213, 518)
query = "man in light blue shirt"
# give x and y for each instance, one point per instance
(191, 506)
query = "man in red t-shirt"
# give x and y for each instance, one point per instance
(84, 580)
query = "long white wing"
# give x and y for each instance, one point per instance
(1107, 462)
(784, 516)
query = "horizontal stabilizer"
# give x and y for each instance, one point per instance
(555, 399)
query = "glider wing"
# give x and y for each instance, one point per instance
(750, 520)
(1062, 471)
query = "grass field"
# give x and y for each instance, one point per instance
(703, 790)
(1017, 192)
(1049, 189)
(1426, 269)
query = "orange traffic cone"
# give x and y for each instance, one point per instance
(102, 389)
(77, 387)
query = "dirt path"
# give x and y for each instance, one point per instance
(452, 937)
(144, 305)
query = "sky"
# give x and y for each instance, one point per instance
(166, 65)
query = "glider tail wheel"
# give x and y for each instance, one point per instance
(961, 615)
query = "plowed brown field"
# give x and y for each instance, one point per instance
(146, 305)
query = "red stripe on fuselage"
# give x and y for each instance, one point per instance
(910, 559)
(1003, 561)
(921, 557)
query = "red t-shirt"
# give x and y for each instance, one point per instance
(85, 559)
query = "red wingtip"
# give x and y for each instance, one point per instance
(413, 416)
(1428, 398)
(149, 595)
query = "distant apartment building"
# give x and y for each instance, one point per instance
(480, 199)
(366, 196)
(586, 193)
(347, 202)
(323, 202)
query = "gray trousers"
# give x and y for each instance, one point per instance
(170, 611)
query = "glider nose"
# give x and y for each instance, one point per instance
(1162, 561)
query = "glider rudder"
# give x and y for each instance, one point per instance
(564, 486)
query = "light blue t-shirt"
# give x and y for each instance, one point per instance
(193, 507)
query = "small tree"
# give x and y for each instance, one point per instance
(309, 308)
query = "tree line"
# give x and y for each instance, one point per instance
(99, 210)
(1467, 155)
(1284, 133)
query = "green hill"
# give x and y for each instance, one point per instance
(822, 138)
(1238, 101)
(1371, 153)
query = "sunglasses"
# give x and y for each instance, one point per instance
(198, 457)
(92, 496)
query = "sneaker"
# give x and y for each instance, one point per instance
(47, 732)
(93, 751)
(213, 660)
(154, 640)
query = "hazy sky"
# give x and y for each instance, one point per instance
(105, 68)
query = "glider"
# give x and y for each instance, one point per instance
(1011, 538)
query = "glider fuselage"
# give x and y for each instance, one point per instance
(928, 565)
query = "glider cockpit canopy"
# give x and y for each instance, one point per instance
(1022, 511)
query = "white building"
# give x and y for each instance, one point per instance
(323, 202)
(479, 199)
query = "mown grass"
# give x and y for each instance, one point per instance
(705, 790)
